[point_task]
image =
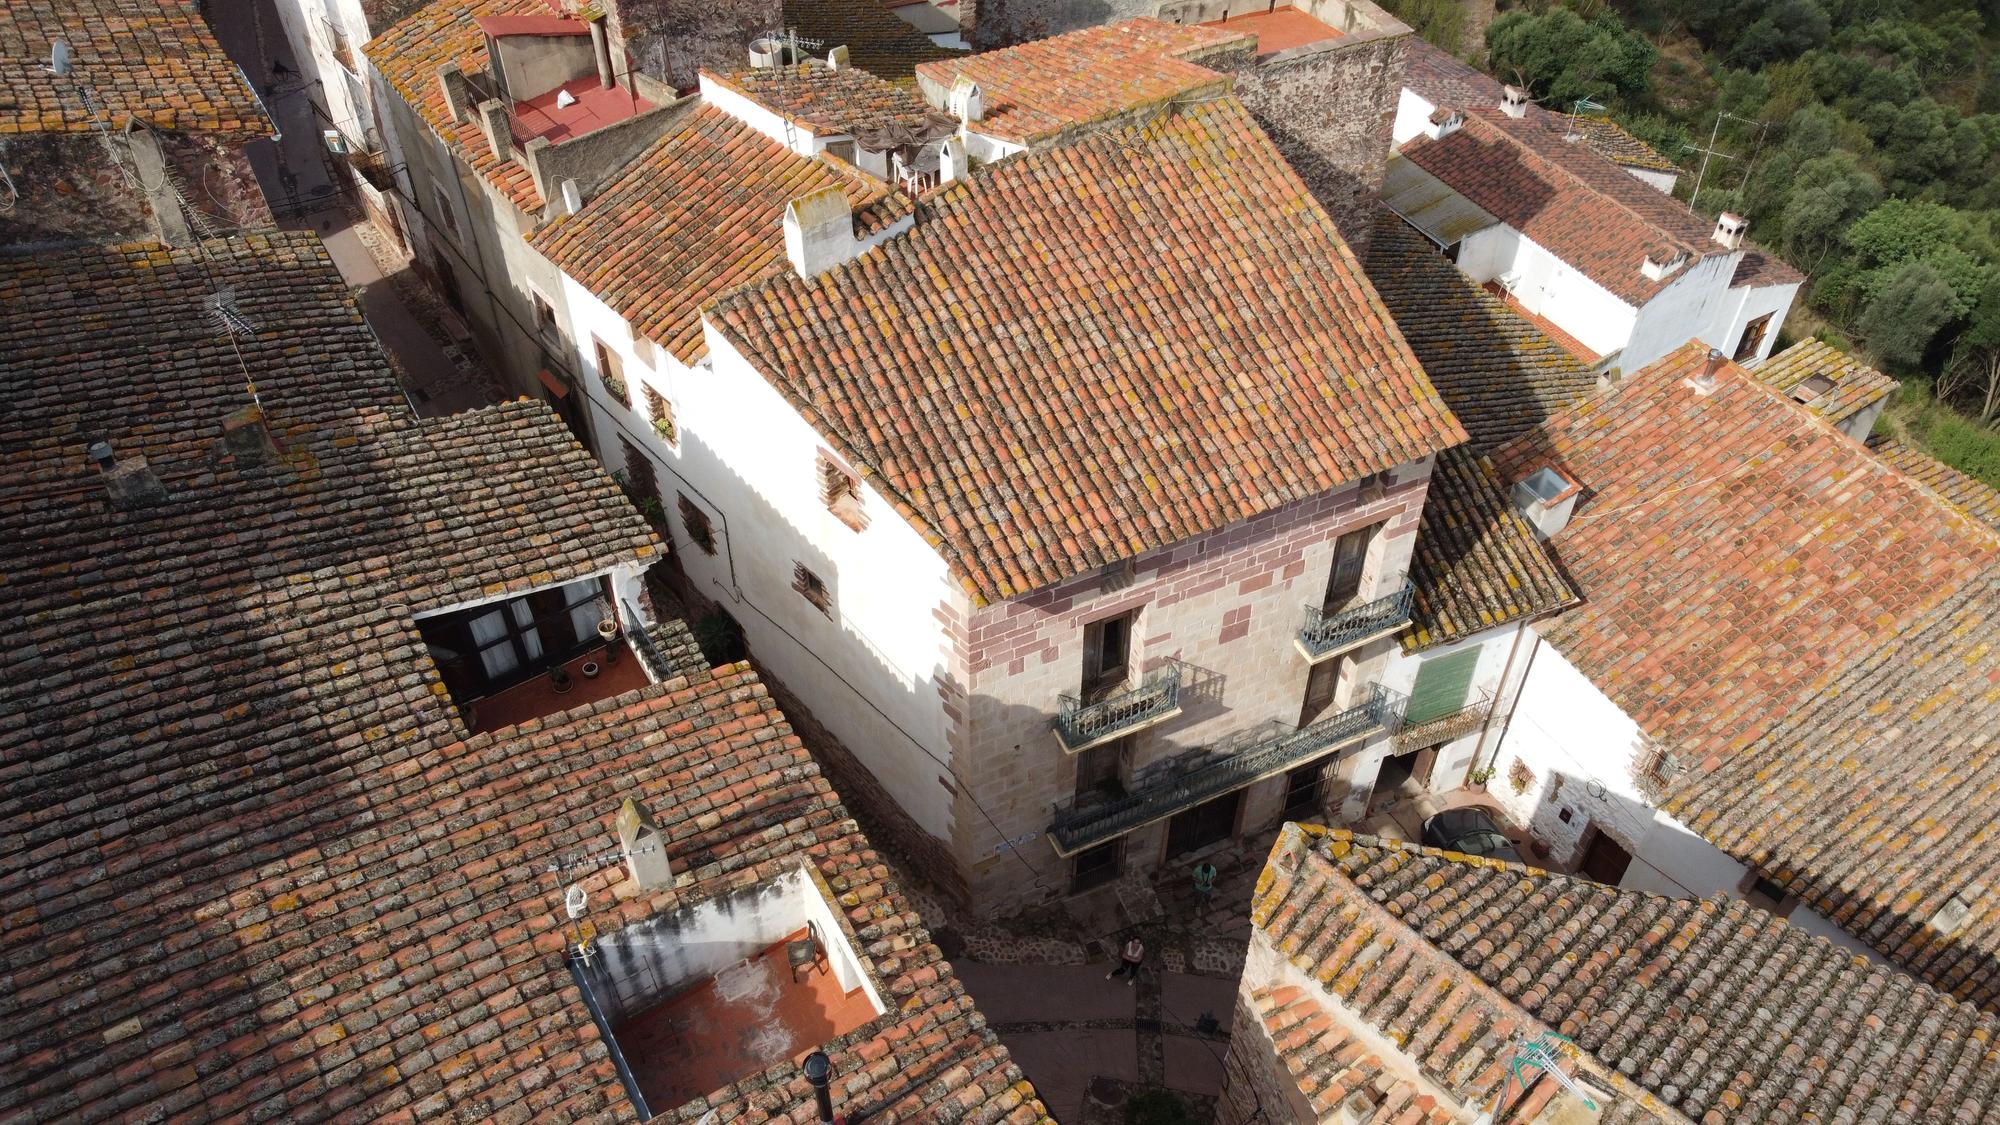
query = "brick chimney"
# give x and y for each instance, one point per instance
(819, 231)
(128, 481)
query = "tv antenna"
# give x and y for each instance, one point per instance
(792, 40)
(1544, 1053)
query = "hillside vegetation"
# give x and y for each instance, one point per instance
(1860, 137)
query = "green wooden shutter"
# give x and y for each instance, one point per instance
(1441, 686)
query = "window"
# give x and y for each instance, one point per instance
(663, 416)
(445, 215)
(1442, 685)
(840, 491)
(1095, 866)
(545, 317)
(1753, 338)
(812, 588)
(1350, 558)
(1100, 772)
(1323, 682)
(1107, 655)
(700, 532)
(640, 481)
(611, 372)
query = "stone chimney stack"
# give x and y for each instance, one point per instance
(494, 122)
(819, 231)
(128, 481)
(457, 92)
(644, 847)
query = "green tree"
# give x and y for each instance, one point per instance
(1440, 22)
(1901, 231)
(1564, 57)
(1783, 30)
(1828, 194)
(1904, 317)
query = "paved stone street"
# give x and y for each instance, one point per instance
(1084, 1040)
(440, 378)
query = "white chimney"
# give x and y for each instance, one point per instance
(836, 59)
(819, 231)
(1729, 230)
(1546, 498)
(1443, 123)
(1661, 261)
(765, 52)
(951, 159)
(968, 101)
(644, 847)
(1514, 101)
(572, 197)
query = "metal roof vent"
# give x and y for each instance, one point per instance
(1546, 498)
(1703, 381)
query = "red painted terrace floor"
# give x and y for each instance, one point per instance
(735, 1024)
(1280, 29)
(535, 698)
(595, 107)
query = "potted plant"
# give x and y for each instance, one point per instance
(1478, 778)
(607, 630)
(559, 681)
(590, 669)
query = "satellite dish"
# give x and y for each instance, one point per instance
(565, 99)
(59, 58)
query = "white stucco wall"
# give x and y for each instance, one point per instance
(1693, 299)
(1413, 113)
(1580, 749)
(1546, 285)
(1744, 305)
(1654, 178)
(1457, 757)
(803, 140)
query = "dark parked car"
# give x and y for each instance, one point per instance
(1472, 831)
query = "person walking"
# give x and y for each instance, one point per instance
(1129, 960)
(1204, 881)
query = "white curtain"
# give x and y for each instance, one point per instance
(525, 619)
(496, 659)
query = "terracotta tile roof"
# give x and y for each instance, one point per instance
(1732, 550)
(850, 100)
(1500, 374)
(877, 40)
(155, 60)
(1683, 1009)
(253, 866)
(1444, 80)
(1760, 268)
(1547, 327)
(1038, 89)
(1856, 386)
(409, 56)
(1975, 497)
(1094, 351)
(1582, 208)
(1878, 799)
(1613, 142)
(698, 213)
(1477, 564)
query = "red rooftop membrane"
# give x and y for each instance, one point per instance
(594, 106)
(1280, 29)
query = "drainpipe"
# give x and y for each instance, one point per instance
(1486, 728)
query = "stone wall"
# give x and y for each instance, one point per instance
(1224, 607)
(70, 191)
(1256, 1087)
(1330, 107)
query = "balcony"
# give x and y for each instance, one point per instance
(1080, 725)
(1328, 634)
(1441, 729)
(1077, 828)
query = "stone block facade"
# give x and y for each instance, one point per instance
(1225, 608)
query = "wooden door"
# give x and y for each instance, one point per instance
(1604, 861)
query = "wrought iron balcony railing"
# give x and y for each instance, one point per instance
(1324, 634)
(1443, 728)
(1082, 725)
(1077, 827)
